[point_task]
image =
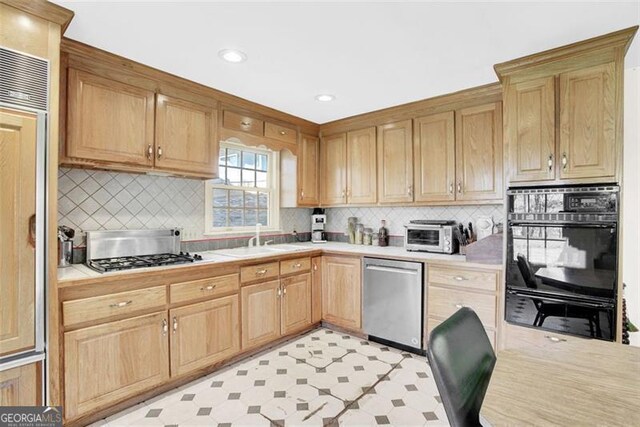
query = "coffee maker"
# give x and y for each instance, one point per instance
(318, 222)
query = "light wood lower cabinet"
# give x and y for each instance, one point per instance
(260, 313)
(113, 361)
(204, 333)
(17, 216)
(296, 303)
(21, 386)
(316, 289)
(341, 291)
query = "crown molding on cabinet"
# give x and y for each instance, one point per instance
(45, 10)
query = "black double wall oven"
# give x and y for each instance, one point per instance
(562, 258)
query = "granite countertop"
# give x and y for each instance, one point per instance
(81, 271)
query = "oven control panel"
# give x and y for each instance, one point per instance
(590, 202)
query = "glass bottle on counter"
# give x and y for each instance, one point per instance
(367, 236)
(383, 234)
(352, 222)
(359, 233)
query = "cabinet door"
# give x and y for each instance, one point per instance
(479, 152)
(21, 386)
(296, 303)
(361, 166)
(186, 137)
(434, 147)
(17, 210)
(309, 156)
(341, 291)
(333, 163)
(107, 363)
(316, 289)
(204, 333)
(260, 313)
(587, 122)
(530, 129)
(108, 121)
(395, 162)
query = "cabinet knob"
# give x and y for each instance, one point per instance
(282, 132)
(451, 188)
(550, 162)
(297, 265)
(315, 267)
(245, 124)
(459, 187)
(159, 152)
(564, 161)
(175, 324)
(301, 194)
(459, 278)
(149, 152)
(165, 327)
(261, 272)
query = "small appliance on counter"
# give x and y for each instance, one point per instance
(65, 246)
(127, 249)
(484, 227)
(318, 222)
(430, 236)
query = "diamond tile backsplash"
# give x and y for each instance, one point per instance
(396, 217)
(100, 200)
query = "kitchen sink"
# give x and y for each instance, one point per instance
(247, 252)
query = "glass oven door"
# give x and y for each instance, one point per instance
(427, 238)
(562, 277)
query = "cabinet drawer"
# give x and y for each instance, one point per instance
(281, 133)
(296, 265)
(470, 279)
(105, 306)
(259, 272)
(443, 302)
(243, 123)
(520, 337)
(432, 323)
(196, 289)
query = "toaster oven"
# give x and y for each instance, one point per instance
(430, 236)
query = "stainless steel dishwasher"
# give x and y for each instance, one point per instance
(393, 302)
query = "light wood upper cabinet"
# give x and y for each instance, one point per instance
(113, 361)
(186, 136)
(308, 171)
(434, 157)
(479, 152)
(296, 303)
(260, 313)
(587, 122)
(204, 333)
(530, 129)
(395, 162)
(108, 121)
(361, 166)
(333, 164)
(21, 386)
(17, 210)
(341, 291)
(243, 123)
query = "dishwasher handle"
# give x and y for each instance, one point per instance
(392, 270)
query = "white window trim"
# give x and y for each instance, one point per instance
(273, 178)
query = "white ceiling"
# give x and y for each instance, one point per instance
(370, 55)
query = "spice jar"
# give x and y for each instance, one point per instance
(359, 234)
(367, 236)
(351, 225)
(375, 239)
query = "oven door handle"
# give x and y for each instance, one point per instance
(560, 300)
(561, 224)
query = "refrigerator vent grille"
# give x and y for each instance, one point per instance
(23, 80)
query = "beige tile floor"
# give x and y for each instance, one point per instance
(323, 378)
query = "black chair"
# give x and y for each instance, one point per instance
(462, 360)
(546, 309)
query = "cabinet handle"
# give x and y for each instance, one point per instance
(120, 304)
(149, 152)
(301, 194)
(451, 188)
(459, 187)
(175, 324)
(564, 161)
(284, 291)
(554, 339)
(208, 288)
(279, 293)
(296, 265)
(459, 278)
(261, 272)
(32, 231)
(159, 152)
(282, 132)
(410, 190)
(344, 193)
(245, 124)
(165, 327)
(315, 267)
(550, 162)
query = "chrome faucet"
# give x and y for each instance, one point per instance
(255, 238)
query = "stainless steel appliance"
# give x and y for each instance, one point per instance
(24, 98)
(115, 250)
(430, 236)
(393, 302)
(65, 246)
(562, 259)
(318, 222)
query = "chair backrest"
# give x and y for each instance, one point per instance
(462, 360)
(527, 272)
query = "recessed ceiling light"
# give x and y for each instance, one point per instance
(232, 55)
(325, 97)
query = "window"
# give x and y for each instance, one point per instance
(245, 192)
